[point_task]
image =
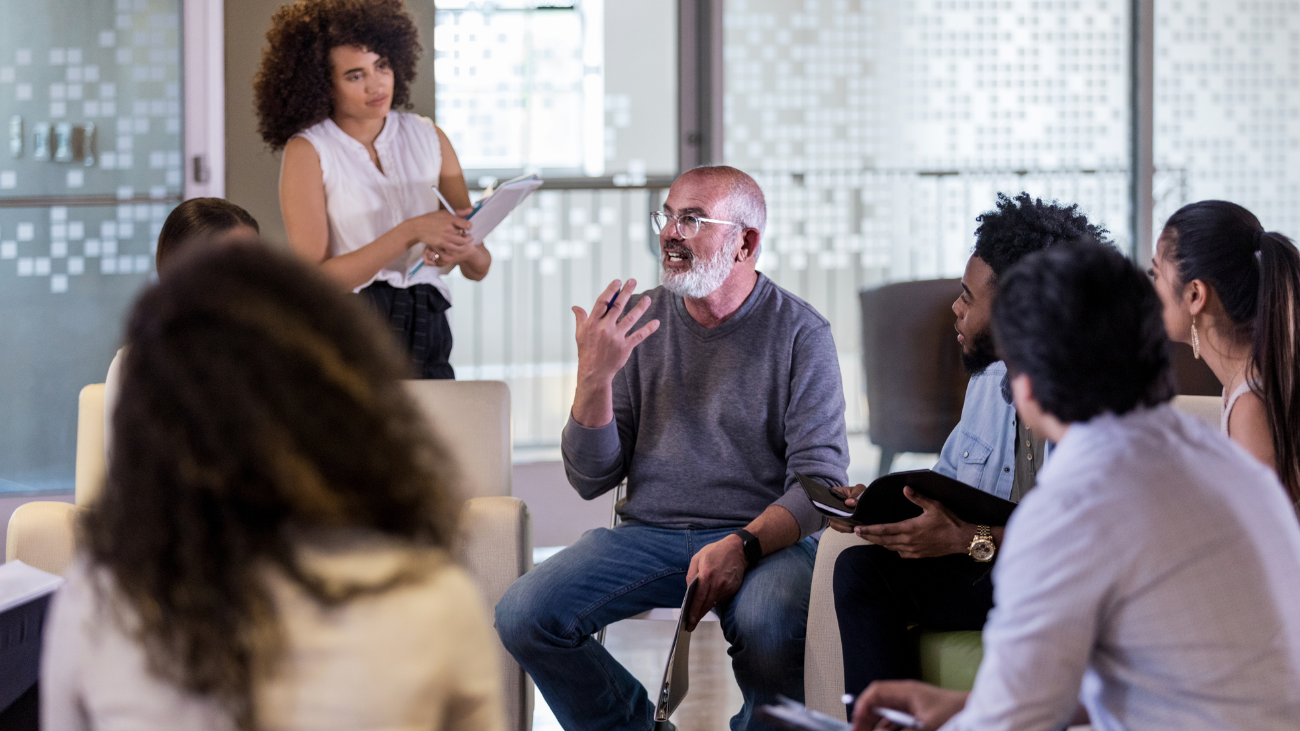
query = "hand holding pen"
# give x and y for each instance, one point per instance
(445, 234)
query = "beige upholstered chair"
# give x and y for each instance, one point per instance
(1206, 408)
(92, 462)
(471, 417)
(42, 534)
(495, 545)
(473, 420)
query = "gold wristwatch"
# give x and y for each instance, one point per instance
(982, 547)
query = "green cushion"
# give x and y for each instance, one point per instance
(950, 659)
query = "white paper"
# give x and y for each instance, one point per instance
(494, 208)
(20, 583)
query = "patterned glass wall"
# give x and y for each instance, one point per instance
(1227, 108)
(880, 129)
(90, 103)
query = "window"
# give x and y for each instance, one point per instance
(1227, 108)
(879, 135)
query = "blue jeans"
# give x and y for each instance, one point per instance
(547, 619)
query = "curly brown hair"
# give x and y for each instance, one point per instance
(293, 88)
(260, 409)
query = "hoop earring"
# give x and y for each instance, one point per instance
(1196, 343)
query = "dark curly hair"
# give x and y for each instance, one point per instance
(1084, 323)
(259, 410)
(1022, 225)
(294, 86)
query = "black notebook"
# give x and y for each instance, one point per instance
(884, 501)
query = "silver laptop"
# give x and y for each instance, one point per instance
(677, 673)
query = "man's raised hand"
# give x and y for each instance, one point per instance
(605, 341)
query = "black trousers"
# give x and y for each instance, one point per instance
(883, 601)
(418, 318)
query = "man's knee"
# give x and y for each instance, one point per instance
(770, 620)
(523, 618)
(859, 571)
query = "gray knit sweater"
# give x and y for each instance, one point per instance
(710, 424)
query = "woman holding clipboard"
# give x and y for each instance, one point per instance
(376, 197)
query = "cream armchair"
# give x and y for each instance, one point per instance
(494, 540)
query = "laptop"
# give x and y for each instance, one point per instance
(677, 672)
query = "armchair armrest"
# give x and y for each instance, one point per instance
(495, 545)
(823, 664)
(43, 534)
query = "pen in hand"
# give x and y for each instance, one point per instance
(447, 206)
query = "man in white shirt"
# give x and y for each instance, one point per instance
(1154, 573)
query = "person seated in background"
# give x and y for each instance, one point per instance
(707, 394)
(925, 571)
(197, 222)
(270, 549)
(203, 221)
(1152, 572)
(1217, 268)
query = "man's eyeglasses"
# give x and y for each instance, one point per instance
(687, 226)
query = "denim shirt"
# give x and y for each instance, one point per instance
(981, 451)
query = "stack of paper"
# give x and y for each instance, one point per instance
(20, 583)
(496, 204)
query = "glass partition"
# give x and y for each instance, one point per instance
(1227, 108)
(90, 102)
(879, 135)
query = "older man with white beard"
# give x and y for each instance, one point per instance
(707, 394)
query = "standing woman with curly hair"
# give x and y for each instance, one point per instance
(270, 550)
(357, 179)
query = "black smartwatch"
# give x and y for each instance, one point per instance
(753, 551)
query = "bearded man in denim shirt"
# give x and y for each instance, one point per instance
(924, 572)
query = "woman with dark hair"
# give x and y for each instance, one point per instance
(359, 183)
(201, 222)
(203, 219)
(270, 549)
(1232, 290)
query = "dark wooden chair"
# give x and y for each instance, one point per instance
(1194, 378)
(912, 366)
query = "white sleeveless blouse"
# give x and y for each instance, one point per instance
(363, 204)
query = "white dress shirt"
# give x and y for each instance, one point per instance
(363, 203)
(1154, 573)
(417, 657)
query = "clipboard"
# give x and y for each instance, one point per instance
(490, 210)
(493, 207)
(677, 671)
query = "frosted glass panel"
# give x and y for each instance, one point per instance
(1227, 108)
(90, 113)
(880, 129)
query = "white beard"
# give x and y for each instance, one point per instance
(704, 276)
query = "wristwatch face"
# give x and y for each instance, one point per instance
(981, 549)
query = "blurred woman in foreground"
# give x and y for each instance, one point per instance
(270, 550)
